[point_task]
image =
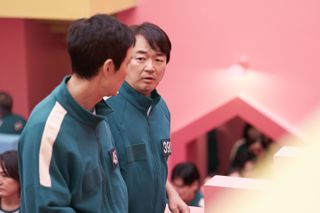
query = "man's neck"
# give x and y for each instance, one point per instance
(84, 91)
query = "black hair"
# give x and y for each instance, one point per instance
(9, 164)
(243, 157)
(245, 133)
(188, 172)
(94, 40)
(155, 36)
(6, 102)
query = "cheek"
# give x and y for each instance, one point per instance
(159, 78)
(183, 192)
(13, 186)
(160, 75)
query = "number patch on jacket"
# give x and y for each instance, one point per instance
(114, 157)
(166, 149)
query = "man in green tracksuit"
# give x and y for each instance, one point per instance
(141, 125)
(10, 123)
(67, 158)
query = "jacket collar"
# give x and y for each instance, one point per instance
(140, 101)
(63, 96)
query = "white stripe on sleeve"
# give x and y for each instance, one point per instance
(51, 130)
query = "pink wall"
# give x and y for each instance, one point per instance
(13, 63)
(197, 154)
(33, 61)
(281, 40)
(47, 60)
(227, 134)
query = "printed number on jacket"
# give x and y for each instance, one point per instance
(166, 149)
(114, 157)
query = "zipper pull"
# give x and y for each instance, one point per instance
(149, 110)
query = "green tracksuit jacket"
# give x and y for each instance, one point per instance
(141, 128)
(67, 159)
(12, 124)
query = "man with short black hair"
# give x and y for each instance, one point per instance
(141, 125)
(68, 161)
(185, 178)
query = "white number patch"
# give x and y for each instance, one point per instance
(166, 147)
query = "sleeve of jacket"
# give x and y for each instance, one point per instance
(43, 179)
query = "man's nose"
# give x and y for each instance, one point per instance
(149, 65)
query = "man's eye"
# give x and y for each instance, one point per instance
(140, 59)
(159, 60)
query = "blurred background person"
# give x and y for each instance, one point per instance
(249, 136)
(243, 165)
(248, 152)
(9, 183)
(186, 180)
(10, 123)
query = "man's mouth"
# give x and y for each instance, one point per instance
(148, 79)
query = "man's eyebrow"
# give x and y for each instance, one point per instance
(145, 52)
(141, 52)
(160, 54)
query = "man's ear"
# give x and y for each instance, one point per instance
(108, 66)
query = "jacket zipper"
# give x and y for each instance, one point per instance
(156, 168)
(105, 179)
